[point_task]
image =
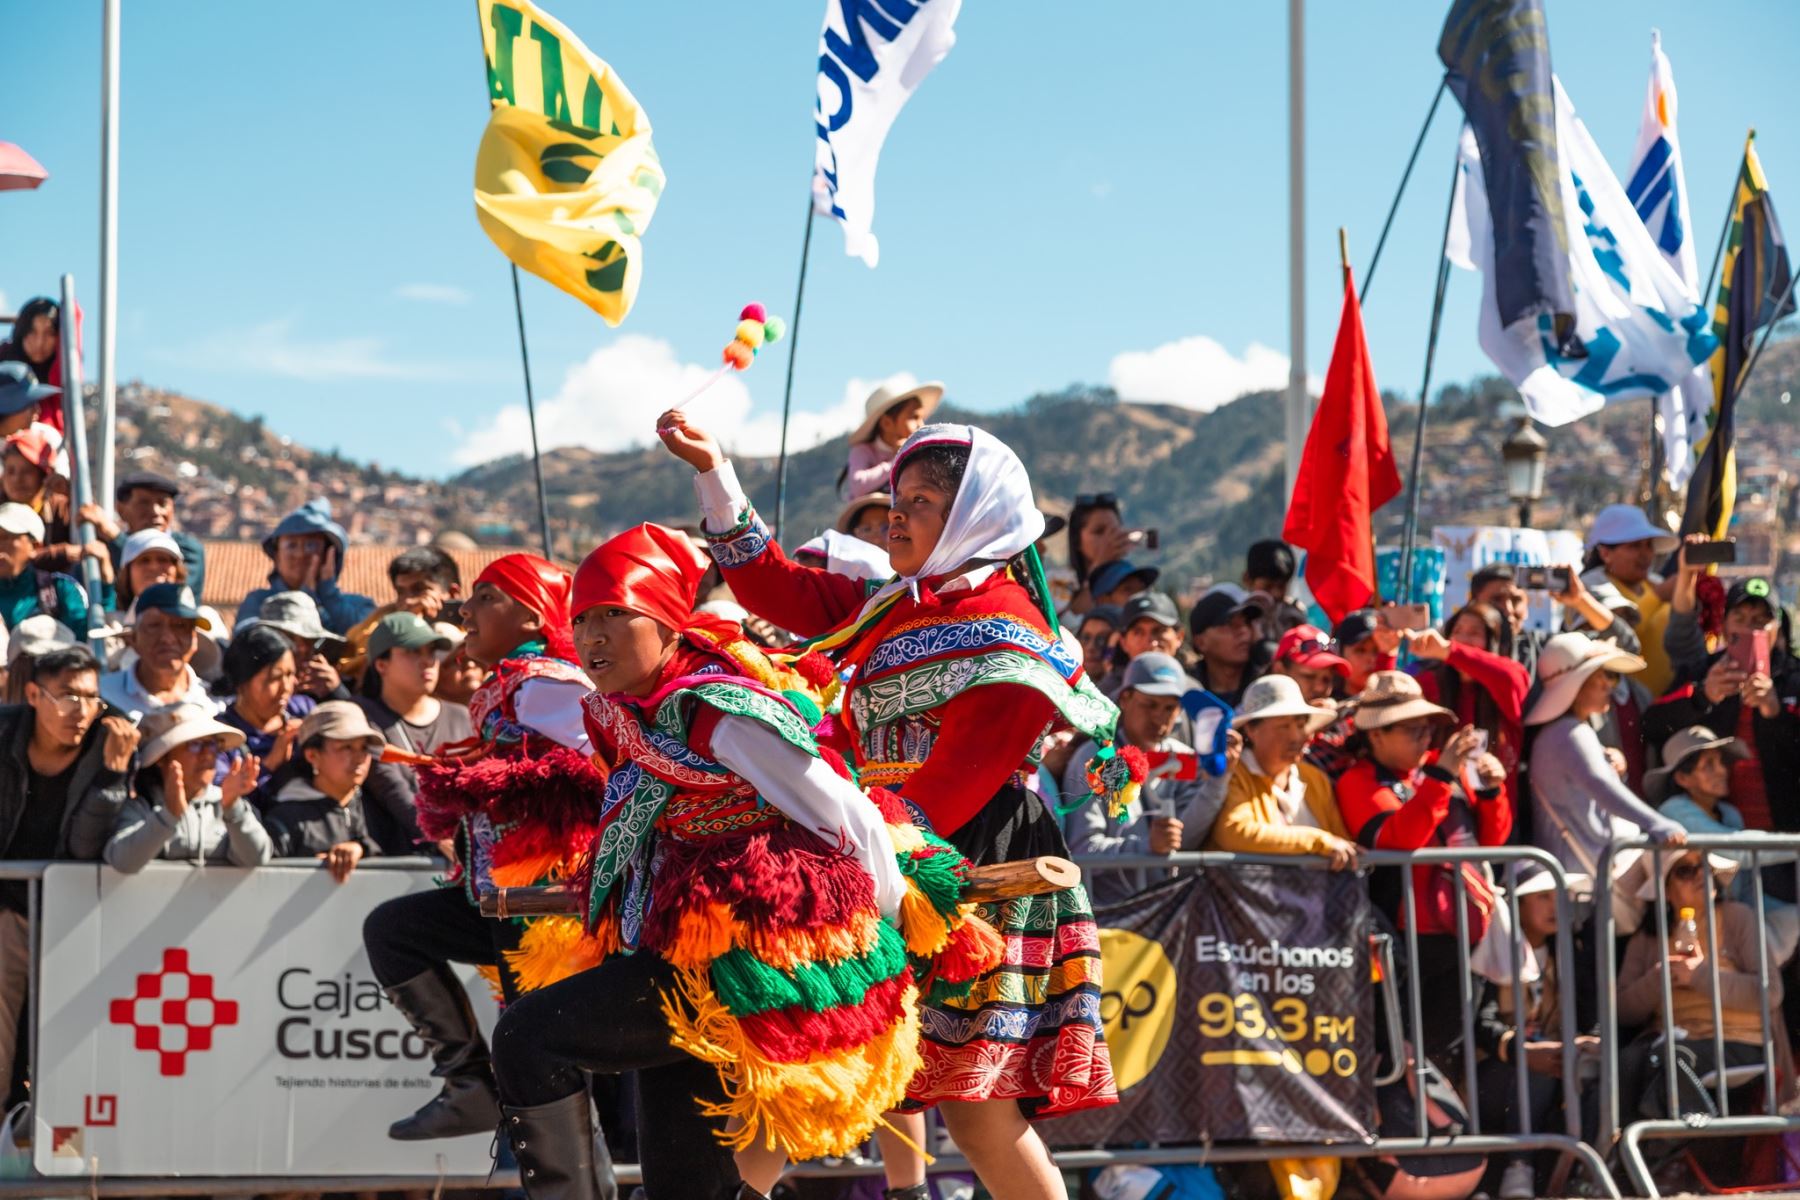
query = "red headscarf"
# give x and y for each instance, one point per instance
(652, 570)
(541, 586)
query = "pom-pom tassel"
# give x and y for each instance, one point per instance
(1116, 775)
(974, 949)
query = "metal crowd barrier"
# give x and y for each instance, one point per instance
(1754, 850)
(1481, 1139)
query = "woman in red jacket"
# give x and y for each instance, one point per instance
(1479, 686)
(1402, 795)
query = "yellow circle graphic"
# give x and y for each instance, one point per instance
(1317, 1061)
(1137, 1003)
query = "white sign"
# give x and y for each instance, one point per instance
(213, 1021)
(1468, 548)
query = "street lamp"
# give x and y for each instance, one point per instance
(1524, 451)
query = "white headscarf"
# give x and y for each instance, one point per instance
(994, 515)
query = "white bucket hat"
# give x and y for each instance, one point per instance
(1563, 666)
(888, 395)
(1617, 524)
(1279, 696)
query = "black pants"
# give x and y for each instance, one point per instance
(606, 1021)
(409, 935)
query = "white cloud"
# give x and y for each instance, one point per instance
(432, 293)
(1196, 372)
(273, 348)
(610, 401)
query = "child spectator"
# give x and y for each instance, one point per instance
(890, 416)
(179, 811)
(405, 656)
(865, 519)
(307, 550)
(266, 707)
(318, 811)
(146, 501)
(460, 675)
(24, 590)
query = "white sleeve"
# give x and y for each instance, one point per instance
(813, 796)
(552, 707)
(721, 497)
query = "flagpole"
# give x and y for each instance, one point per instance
(1725, 229)
(1744, 376)
(537, 460)
(787, 391)
(1418, 144)
(1411, 531)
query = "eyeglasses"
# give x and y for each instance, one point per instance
(71, 701)
(1096, 500)
(1098, 637)
(203, 747)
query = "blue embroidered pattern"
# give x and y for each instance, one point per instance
(976, 636)
(734, 550)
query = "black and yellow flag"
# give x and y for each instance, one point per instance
(1753, 293)
(566, 180)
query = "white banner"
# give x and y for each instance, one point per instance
(212, 1021)
(1468, 548)
(873, 54)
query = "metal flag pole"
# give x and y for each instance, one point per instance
(1296, 407)
(537, 459)
(75, 437)
(109, 245)
(1411, 532)
(1418, 144)
(787, 391)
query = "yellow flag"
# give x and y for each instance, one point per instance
(566, 179)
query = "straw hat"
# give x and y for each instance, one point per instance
(888, 395)
(1723, 869)
(1279, 696)
(166, 728)
(847, 517)
(1565, 663)
(1683, 746)
(1391, 697)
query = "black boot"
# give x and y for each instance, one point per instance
(918, 1191)
(555, 1145)
(441, 1015)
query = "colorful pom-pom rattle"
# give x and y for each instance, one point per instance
(755, 329)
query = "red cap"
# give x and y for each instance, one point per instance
(1310, 647)
(541, 586)
(36, 448)
(652, 570)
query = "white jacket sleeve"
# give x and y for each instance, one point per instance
(721, 497)
(813, 796)
(553, 708)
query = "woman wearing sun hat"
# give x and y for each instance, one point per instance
(177, 810)
(1577, 797)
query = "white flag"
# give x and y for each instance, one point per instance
(873, 54)
(1643, 329)
(1657, 187)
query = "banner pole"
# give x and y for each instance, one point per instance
(75, 438)
(1411, 533)
(537, 459)
(1418, 144)
(1725, 228)
(109, 247)
(787, 391)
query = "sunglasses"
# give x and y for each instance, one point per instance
(1097, 638)
(1311, 646)
(1096, 500)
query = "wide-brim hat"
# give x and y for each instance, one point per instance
(887, 395)
(341, 721)
(295, 614)
(167, 728)
(1684, 745)
(1723, 870)
(1279, 696)
(846, 518)
(1391, 697)
(1565, 663)
(1620, 524)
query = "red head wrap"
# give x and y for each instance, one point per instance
(541, 586)
(652, 570)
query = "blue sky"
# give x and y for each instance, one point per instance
(1065, 199)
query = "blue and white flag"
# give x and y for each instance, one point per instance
(1643, 328)
(1657, 188)
(873, 54)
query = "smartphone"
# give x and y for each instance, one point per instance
(1545, 579)
(1706, 554)
(1750, 651)
(1148, 538)
(1481, 744)
(451, 612)
(1404, 616)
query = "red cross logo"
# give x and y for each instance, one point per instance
(173, 1013)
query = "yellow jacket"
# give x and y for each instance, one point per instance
(1250, 822)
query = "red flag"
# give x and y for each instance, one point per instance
(1346, 472)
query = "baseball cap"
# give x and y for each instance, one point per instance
(19, 388)
(1269, 559)
(1754, 588)
(1154, 605)
(1220, 605)
(35, 448)
(1112, 614)
(1356, 626)
(340, 720)
(146, 479)
(146, 540)
(1494, 572)
(1157, 675)
(176, 599)
(1107, 576)
(1310, 647)
(17, 518)
(37, 635)
(405, 630)
(1617, 524)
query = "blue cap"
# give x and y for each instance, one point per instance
(1156, 674)
(1108, 576)
(176, 599)
(19, 388)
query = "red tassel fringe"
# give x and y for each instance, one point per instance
(784, 879)
(557, 789)
(798, 1034)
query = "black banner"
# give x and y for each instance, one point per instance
(1238, 1006)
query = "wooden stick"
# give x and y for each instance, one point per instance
(1344, 252)
(999, 881)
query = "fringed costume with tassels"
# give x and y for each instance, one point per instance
(949, 693)
(788, 978)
